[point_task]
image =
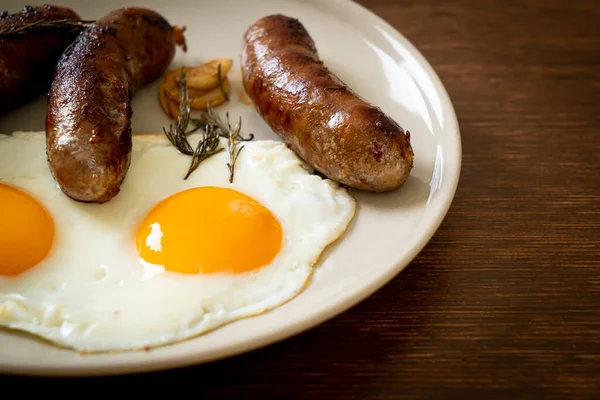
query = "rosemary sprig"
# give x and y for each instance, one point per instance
(71, 24)
(210, 118)
(234, 152)
(213, 128)
(177, 133)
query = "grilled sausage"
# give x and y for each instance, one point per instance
(28, 59)
(88, 123)
(327, 124)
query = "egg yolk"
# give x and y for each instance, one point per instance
(26, 231)
(207, 230)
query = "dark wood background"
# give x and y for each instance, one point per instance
(504, 303)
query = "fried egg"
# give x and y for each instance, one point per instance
(167, 258)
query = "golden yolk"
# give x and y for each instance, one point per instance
(26, 231)
(207, 230)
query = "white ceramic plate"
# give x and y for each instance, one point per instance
(389, 229)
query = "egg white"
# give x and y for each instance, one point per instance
(93, 294)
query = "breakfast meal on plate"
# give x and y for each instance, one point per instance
(328, 125)
(28, 56)
(207, 84)
(88, 122)
(167, 259)
(209, 226)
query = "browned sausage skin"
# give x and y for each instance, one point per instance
(27, 60)
(88, 123)
(316, 114)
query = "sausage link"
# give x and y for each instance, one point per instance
(28, 59)
(319, 117)
(88, 123)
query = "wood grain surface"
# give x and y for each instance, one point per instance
(504, 303)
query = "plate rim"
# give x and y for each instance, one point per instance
(310, 321)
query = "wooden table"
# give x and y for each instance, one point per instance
(504, 303)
